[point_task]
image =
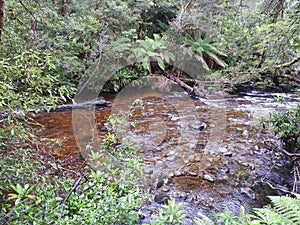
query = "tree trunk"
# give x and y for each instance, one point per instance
(2, 13)
(190, 90)
(65, 4)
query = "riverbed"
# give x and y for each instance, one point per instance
(209, 154)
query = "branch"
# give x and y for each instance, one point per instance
(278, 149)
(28, 10)
(287, 64)
(72, 189)
(292, 78)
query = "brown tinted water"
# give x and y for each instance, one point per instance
(209, 157)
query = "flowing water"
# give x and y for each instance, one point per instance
(208, 154)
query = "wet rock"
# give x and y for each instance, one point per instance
(167, 181)
(248, 192)
(223, 150)
(161, 198)
(175, 118)
(159, 182)
(183, 195)
(197, 125)
(245, 133)
(191, 158)
(171, 158)
(148, 171)
(177, 173)
(223, 170)
(166, 189)
(208, 177)
(191, 198)
(228, 154)
(243, 164)
(147, 189)
(103, 129)
(192, 173)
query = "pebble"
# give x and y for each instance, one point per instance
(166, 181)
(245, 133)
(161, 198)
(103, 129)
(171, 158)
(175, 118)
(228, 154)
(177, 173)
(192, 173)
(208, 177)
(166, 189)
(223, 169)
(183, 195)
(222, 149)
(248, 191)
(148, 171)
(159, 182)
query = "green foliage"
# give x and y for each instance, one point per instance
(156, 19)
(204, 47)
(103, 199)
(111, 193)
(108, 193)
(253, 41)
(153, 50)
(27, 193)
(170, 214)
(286, 126)
(285, 210)
(27, 84)
(123, 77)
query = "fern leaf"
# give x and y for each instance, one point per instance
(287, 207)
(218, 60)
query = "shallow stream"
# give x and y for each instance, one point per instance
(208, 154)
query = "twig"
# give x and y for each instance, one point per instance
(278, 149)
(72, 189)
(263, 179)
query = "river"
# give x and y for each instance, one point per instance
(208, 154)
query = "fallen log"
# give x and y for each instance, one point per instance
(289, 77)
(97, 103)
(190, 90)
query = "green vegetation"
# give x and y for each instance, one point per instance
(284, 210)
(37, 190)
(286, 125)
(46, 47)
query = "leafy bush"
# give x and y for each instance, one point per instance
(106, 192)
(285, 210)
(170, 214)
(286, 125)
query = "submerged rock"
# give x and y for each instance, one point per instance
(161, 198)
(248, 191)
(197, 125)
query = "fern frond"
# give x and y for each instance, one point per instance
(287, 207)
(285, 211)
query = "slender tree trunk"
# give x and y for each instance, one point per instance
(65, 4)
(2, 12)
